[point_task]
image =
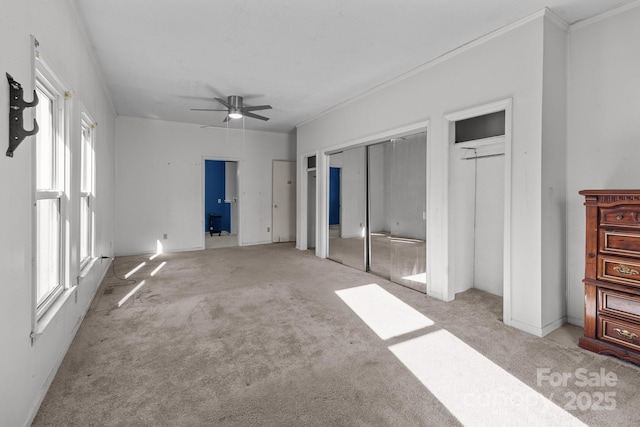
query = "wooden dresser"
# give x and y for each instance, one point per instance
(612, 274)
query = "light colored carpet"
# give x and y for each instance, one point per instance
(257, 336)
(222, 241)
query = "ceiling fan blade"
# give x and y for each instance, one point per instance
(257, 107)
(255, 116)
(205, 109)
(226, 119)
(223, 102)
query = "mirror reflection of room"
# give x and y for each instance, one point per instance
(377, 209)
(397, 210)
(347, 207)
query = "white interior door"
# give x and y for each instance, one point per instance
(231, 192)
(284, 201)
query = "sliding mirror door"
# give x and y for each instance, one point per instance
(379, 208)
(347, 207)
(408, 211)
(397, 209)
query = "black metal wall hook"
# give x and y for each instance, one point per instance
(17, 104)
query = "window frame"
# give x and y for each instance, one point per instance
(86, 194)
(47, 82)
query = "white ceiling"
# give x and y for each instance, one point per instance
(162, 57)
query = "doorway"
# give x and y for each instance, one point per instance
(479, 201)
(311, 202)
(220, 203)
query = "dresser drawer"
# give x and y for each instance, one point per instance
(628, 216)
(619, 270)
(620, 242)
(619, 303)
(619, 332)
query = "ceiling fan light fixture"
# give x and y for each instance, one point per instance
(235, 114)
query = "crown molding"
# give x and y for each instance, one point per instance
(444, 57)
(556, 19)
(605, 15)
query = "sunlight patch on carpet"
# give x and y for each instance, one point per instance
(385, 314)
(158, 268)
(129, 274)
(473, 388)
(130, 294)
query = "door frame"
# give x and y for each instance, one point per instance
(240, 223)
(322, 180)
(450, 119)
(302, 195)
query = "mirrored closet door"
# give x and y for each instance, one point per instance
(397, 210)
(377, 204)
(347, 207)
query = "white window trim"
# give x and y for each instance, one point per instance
(86, 263)
(42, 314)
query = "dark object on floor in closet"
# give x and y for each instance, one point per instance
(213, 219)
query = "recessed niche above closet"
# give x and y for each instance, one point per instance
(480, 127)
(481, 136)
(311, 163)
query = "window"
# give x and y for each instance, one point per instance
(50, 193)
(86, 190)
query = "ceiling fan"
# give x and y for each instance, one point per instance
(236, 110)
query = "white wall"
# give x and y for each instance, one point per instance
(159, 182)
(603, 125)
(26, 370)
(554, 178)
(508, 64)
(489, 225)
(462, 219)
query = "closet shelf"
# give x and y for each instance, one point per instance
(484, 142)
(482, 148)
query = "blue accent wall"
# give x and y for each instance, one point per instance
(214, 184)
(334, 196)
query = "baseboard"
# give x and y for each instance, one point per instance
(533, 330)
(264, 242)
(54, 370)
(539, 332)
(550, 327)
(577, 321)
(436, 295)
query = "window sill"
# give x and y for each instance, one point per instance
(46, 318)
(84, 271)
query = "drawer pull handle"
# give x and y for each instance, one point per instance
(625, 334)
(620, 217)
(623, 269)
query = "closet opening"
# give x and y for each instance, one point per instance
(311, 202)
(478, 201)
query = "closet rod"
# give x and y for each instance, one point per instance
(482, 157)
